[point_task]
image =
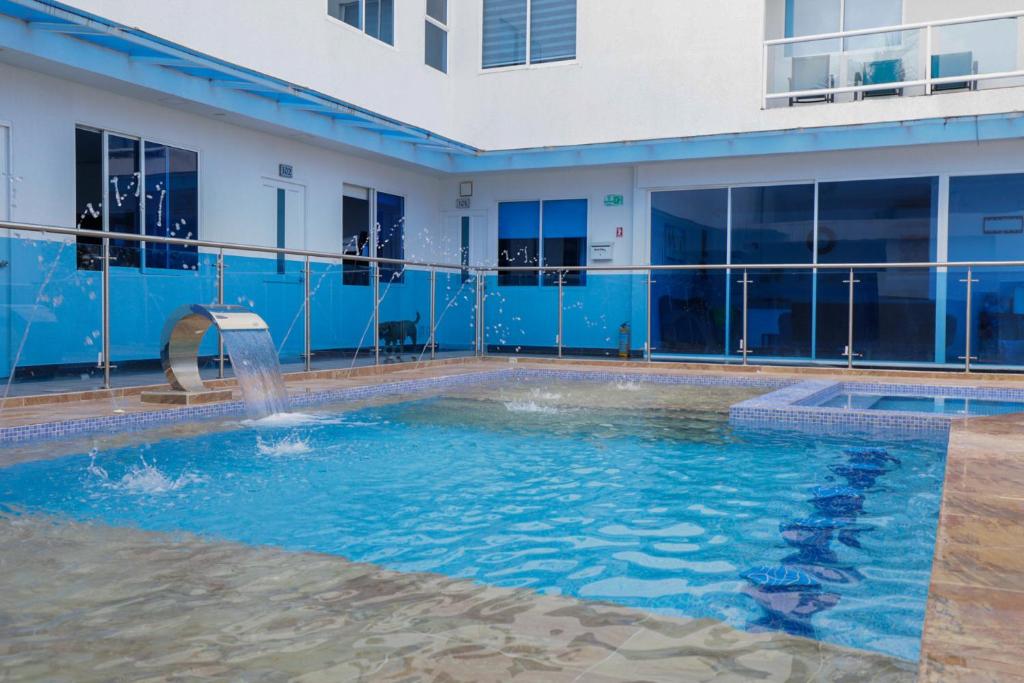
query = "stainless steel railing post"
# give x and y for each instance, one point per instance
(376, 314)
(969, 322)
(561, 310)
(307, 351)
(849, 322)
(105, 312)
(744, 346)
(433, 313)
(483, 316)
(647, 341)
(220, 300)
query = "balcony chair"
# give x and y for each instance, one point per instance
(878, 73)
(954, 64)
(812, 73)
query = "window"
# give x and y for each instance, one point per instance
(816, 17)
(464, 248)
(551, 232)
(391, 235)
(375, 17)
(149, 186)
(565, 239)
(436, 38)
(355, 218)
(518, 32)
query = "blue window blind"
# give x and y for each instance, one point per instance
(504, 33)
(172, 205)
(519, 220)
(565, 218)
(552, 31)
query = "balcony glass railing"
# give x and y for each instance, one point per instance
(913, 59)
(67, 328)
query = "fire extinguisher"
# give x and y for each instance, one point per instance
(625, 340)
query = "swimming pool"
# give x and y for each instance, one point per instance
(637, 494)
(944, 405)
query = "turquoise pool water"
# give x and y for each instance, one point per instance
(669, 510)
(924, 404)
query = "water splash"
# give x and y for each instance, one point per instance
(141, 479)
(290, 445)
(529, 407)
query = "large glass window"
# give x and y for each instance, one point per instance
(517, 32)
(878, 221)
(518, 241)
(986, 223)
(688, 308)
(564, 228)
(172, 205)
(773, 224)
(88, 194)
(436, 38)
(355, 218)
(391, 235)
(375, 17)
(164, 181)
(816, 17)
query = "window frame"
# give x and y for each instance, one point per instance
(362, 24)
(443, 26)
(372, 245)
(528, 64)
(541, 279)
(105, 194)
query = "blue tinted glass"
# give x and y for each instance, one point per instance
(504, 33)
(773, 225)
(436, 47)
(986, 223)
(552, 30)
(438, 9)
(878, 221)
(518, 240)
(380, 20)
(688, 309)
(172, 205)
(348, 11)
(123, 203)
(390, 234)
(565, 239)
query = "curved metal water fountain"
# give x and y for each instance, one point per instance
(246, 338)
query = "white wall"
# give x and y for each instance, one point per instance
(44, 111)
(645, 69)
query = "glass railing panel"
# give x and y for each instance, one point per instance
(455, 313)
(142, 299)
(520, 315)
(343, 318)
(804, 66)
(780, 314)
(689, 313)
(273, 288)
(331, 330)
(996, 321)
(604, 315)
(975, 48)
(50, 316)
(404, 322)
(879, 59)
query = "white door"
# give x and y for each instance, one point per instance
(465, 239)
(283, 212)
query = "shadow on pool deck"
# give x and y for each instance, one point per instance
(94, 603)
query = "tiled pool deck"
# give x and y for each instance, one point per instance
(975, 612)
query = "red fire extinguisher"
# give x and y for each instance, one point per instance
(625, 340)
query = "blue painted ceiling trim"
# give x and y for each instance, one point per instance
(57, 33)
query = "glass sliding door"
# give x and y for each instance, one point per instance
(688, 308)
(878, 221)
(773, 224)
(986, 223)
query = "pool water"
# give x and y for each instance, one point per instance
(665, 509)
(945, 405)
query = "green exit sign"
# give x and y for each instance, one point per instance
(613, 200)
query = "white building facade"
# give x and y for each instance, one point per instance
(520, 133)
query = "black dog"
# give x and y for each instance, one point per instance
(393, 334)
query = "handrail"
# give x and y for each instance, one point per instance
(894, 29)
(208, 244)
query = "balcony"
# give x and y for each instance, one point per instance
(928, 58)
